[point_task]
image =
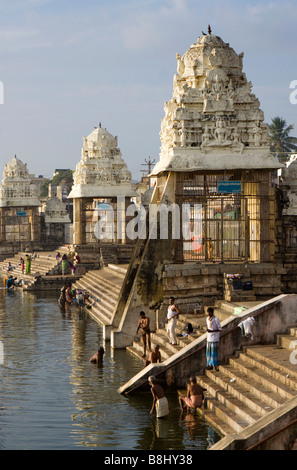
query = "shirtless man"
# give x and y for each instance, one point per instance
(97, 358)
(144, 324)
(154, 357)
(159, 399)
(194, 396)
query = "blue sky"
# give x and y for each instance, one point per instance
(67, 65)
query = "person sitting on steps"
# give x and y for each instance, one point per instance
(194, 397)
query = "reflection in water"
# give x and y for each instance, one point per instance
(53, 398)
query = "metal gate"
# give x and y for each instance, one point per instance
(231, 216)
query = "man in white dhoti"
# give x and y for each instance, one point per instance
(172, 315)
(159, 399)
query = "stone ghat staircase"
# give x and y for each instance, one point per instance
(160, 337)
(44, 264)
(223, 310)
(252, 383)
(104, 285)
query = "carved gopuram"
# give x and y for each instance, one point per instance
(215, 145)
(215, 168)
(19, 206)
(101, 191)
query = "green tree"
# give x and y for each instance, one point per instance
(44, 189)
(281, 143)
(66, 175)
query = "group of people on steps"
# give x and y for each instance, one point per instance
(195, 393)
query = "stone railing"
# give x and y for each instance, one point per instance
(271, 317)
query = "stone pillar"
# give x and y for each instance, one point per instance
(35, 224)
(79, 229)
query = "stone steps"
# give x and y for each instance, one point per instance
(98, 283)
(104, 285)
(249, 385)
(160, 337)
(223, 309)
(44, 264)
(198, 321)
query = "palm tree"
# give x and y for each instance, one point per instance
(280, 141)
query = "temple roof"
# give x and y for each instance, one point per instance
(17, 188)
(101, 171)
(213, 120)
(15, 169)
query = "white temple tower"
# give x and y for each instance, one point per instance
(217, 177)
(101, 177)
(215, 145)
(19, 204)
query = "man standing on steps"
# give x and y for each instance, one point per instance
(172, 315)
(144, 324)
(212, 340)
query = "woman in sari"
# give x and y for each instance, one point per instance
(65, 264)
(28, 264)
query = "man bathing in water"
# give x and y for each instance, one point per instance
(194, 396)
(159, 399)
(144, 324)
(97, 358)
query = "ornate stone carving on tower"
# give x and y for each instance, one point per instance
(19, 204)
(213, 120)
(101, 176)
(17, 188)
(101, 170)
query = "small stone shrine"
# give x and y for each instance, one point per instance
(57, 222)
(101, 191)
(19, 204)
